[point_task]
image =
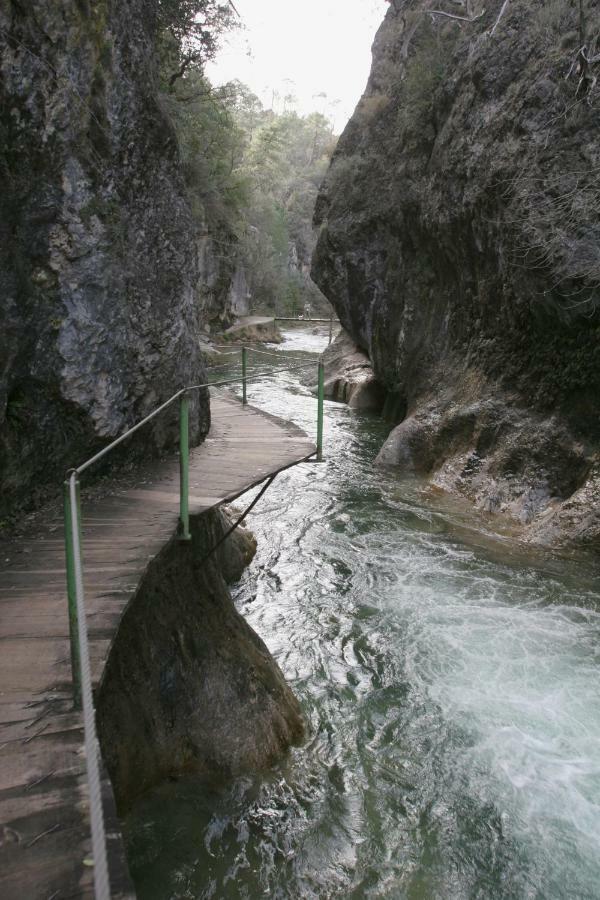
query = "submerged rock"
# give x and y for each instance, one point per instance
(458, 244)
(189, 686)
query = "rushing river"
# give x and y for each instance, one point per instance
(451, 685)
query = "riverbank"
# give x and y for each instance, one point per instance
(525, 472)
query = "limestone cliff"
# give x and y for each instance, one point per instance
(459, 235)
(98, 255)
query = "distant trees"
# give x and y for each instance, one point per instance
(285, 157)
(253, 177)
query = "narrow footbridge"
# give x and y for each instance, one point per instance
(59, 834)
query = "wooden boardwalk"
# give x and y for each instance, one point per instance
(45, 844)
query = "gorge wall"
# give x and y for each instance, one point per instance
(459, 243)
(99, 259)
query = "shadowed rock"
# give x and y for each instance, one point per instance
(189, 686)
(349, 376)
(459, 228)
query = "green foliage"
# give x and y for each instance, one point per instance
(254, 174)
(211, 146)
(189, 32)
(425, 71)
(285, 159)
(17, 410)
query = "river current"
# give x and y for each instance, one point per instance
(450, 680)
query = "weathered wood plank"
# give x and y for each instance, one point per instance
(43, 784)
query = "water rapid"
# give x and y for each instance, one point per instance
(451, 684)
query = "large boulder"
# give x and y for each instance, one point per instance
(189, 686)
(459, 235)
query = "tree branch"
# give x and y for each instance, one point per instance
(440, 12)
(500, 14)
(186, 62)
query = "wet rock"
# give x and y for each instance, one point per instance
(349, 376)
(456, 234)
(189, 686)
(507, 460)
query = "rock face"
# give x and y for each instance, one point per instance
(189, 686)
(254, 329)
(239, 294)
(349, 375)
(459, 243)
(98, 256)
(223, 292)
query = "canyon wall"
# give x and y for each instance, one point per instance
(99, 257)
(459, 235)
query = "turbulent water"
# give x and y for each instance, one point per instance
(451, 685)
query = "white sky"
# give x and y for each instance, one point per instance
(303, 48)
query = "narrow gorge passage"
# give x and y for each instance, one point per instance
(451, 684)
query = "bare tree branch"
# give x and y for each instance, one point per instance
(185, 64)
(500, 14)
(440, 12)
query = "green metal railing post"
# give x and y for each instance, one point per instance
(244, 368)
(184, 468)
(71, 594)
(320, 399)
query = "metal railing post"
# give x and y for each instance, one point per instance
(71, 593)
(244, 370)
(92, 749)
(184, 468)
(320, 399)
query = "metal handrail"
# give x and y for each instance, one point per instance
(90, 737)
(193, 387)
(78, 637)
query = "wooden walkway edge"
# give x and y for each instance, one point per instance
(45, 844)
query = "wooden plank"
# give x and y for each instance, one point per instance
(42, 767)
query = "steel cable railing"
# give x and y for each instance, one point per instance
(78, 636)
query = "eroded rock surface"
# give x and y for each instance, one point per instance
(458, 243)
(349, 376)
(189, 686)
(98, 253)
(253, 329)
